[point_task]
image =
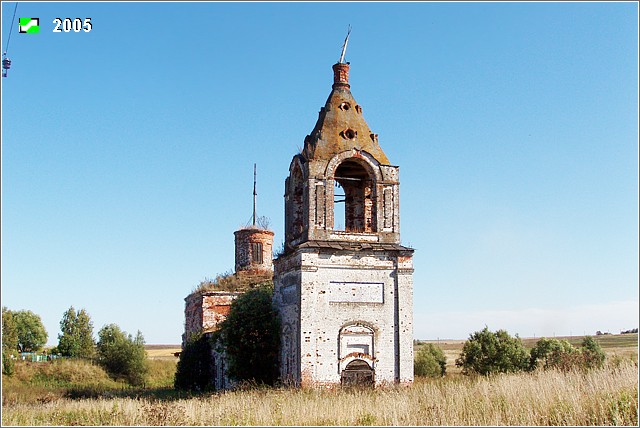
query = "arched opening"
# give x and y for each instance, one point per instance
(357, 373)
(297, 202)
(353, 202)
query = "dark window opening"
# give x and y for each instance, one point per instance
(256, 252)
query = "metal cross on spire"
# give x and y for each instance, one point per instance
(344, 46)
(254, 195)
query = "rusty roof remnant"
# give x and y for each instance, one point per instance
(341, 126)
(354, 246)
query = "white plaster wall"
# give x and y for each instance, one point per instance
(312, 291)
(322, 319)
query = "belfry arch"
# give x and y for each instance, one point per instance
(357, 200)
(355, 197)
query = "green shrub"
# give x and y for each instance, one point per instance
(9, 332)
(8, 365)
(429, 361)
(250, 336)
(121, 355)
(592, 353)
(561, 355)
(553, 353)
(486, 352)
(194, 369)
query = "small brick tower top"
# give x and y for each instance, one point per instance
(254, 245)
(254, 249)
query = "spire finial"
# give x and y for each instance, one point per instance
(344, 46)
(254, 194)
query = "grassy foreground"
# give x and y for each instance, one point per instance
(600, 397)
(80, 393)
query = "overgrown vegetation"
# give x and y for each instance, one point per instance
(551, 353)
(486, 352)
(599, 397)
(9, 340)
(122, 355)
(194, 369)
(430, 361)
(236, 282)
(52, 393)
(9, 331)
(561, 355)
(250, 336)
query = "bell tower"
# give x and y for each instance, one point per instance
(343, 284)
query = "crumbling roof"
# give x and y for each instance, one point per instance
(341, 126)
(238, 282)
(354, 246)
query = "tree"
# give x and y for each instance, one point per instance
(561, 355)
(122, 355)
(592, 353)
(250, 336)
(9, 340)
(9, 331)
(553, 353)
(194, 369)
(76, 339)
(430, 361)
(486, 352)
(31, 333)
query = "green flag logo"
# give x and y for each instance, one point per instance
(29, 25)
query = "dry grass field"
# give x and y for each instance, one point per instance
(599, 397)
(162, 352)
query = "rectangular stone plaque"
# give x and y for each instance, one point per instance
(356, 292)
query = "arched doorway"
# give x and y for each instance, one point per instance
(357, 373)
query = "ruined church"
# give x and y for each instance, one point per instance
(343, 285)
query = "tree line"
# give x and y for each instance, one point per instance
(121, 355)
(487, 352)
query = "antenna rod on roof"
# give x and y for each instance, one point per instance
(344, 46)
(254, 194)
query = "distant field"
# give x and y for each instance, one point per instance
(162, 352)
(606, 341)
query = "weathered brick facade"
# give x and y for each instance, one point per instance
(344, 283)
(254, 249)
(209, 305)
(205, 310)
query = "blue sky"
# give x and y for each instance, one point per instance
(128, 152)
